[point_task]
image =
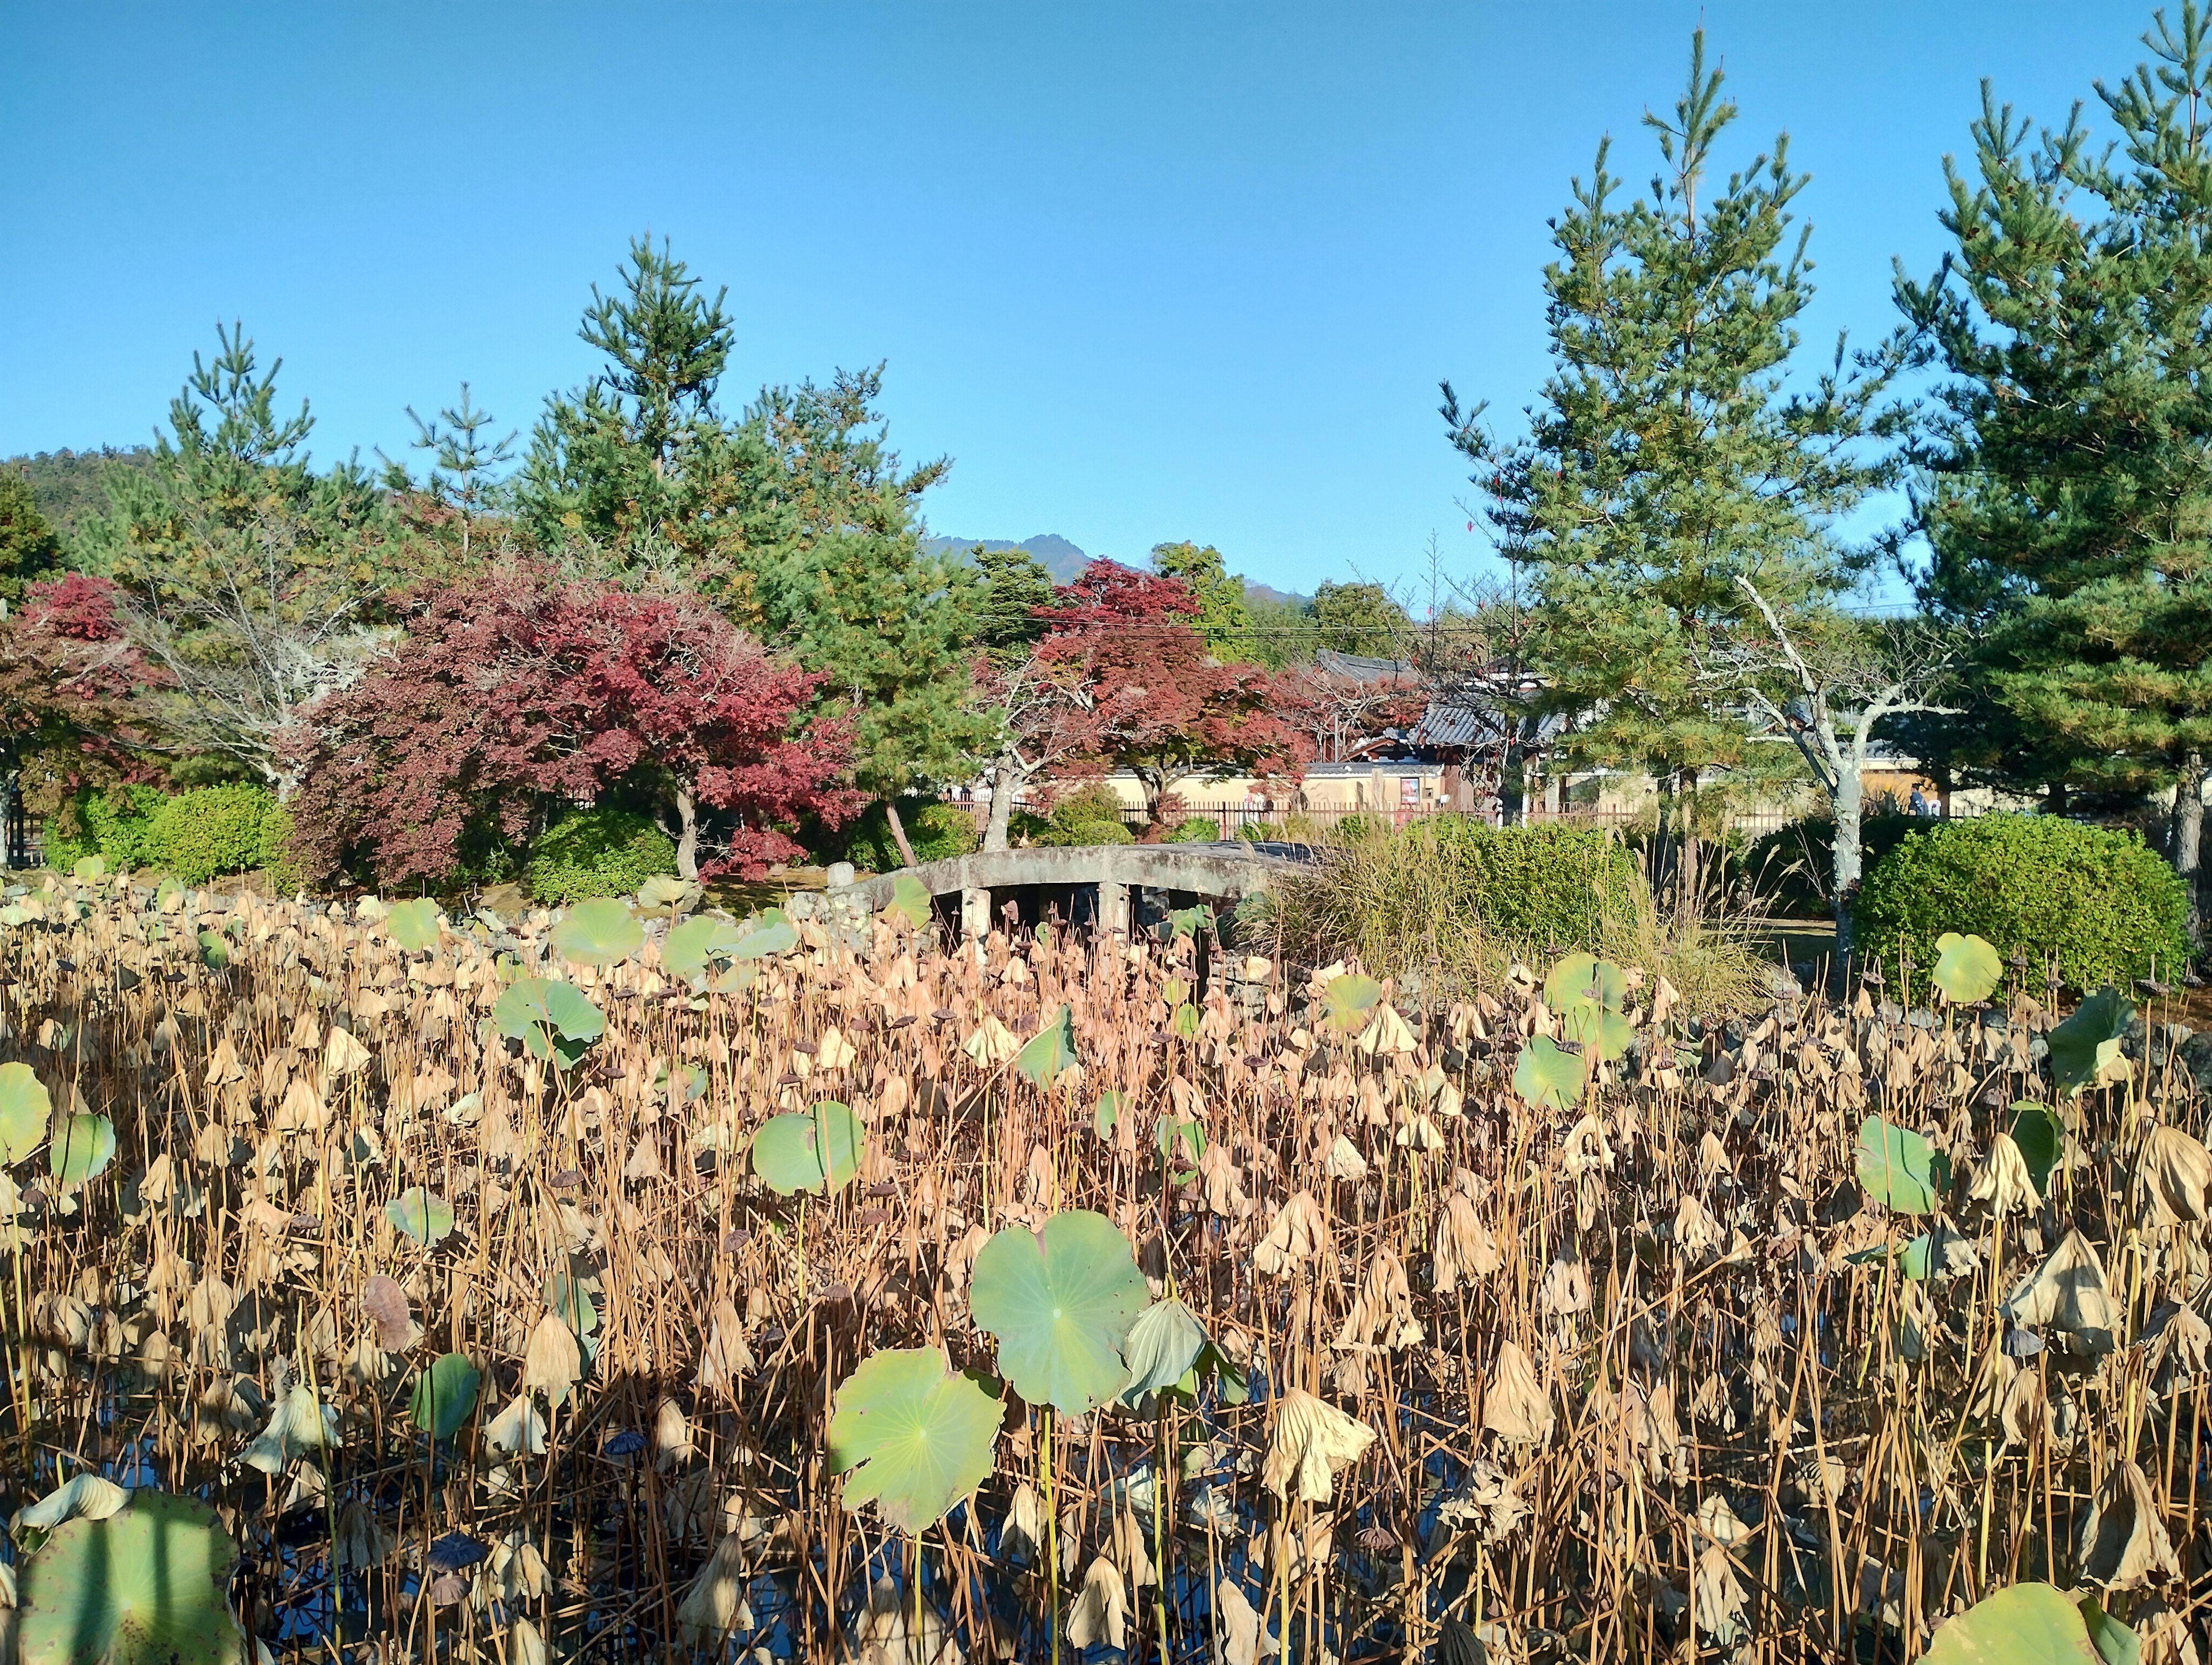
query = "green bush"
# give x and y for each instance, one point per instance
(111, 825)
(1789, 868)
(597, 853)
(286, 876)
(1194, 830)
(2097, 901)
(938, 831)
(211, 831)
(1091, 816)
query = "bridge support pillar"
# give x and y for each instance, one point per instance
(1113, 908)
(974, 914)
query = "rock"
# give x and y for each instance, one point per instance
(840, 875)
(800, 906)
(2195, 1056)
(1781, 985)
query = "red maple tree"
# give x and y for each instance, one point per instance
(70, 687)
(510, 697)
(1142, 692)
(1344, 717)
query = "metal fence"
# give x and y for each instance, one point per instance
(20, 835)
(1233, 818)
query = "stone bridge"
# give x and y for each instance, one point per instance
(1225, 872)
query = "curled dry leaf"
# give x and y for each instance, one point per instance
(2123, 1543)
(716, 1604)
(1239, 1623)
(1100, 1614)
(2067, 1294)
(1312, 1441)
(1465, 1249)
(1515, 1406)
(2177, 1173)
(1294, 1238)
(521, 1427)
(552, 1362)
(85, 1497)
(2004, 1182)
(386, 1306)
(726, 1360)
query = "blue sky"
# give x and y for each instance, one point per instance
(1145, 271)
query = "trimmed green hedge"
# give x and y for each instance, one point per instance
(2103, 905)
(597, 853)
(1546, 887)
(1194, 830)
(1092, 816)
(111, 824)
(213, 830)
(938, 831)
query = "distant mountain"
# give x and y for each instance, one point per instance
(1268, 594)
(70, 486)
(1049, 550)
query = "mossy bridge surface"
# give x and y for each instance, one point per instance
(1121, 886)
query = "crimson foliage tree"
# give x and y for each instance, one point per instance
(68, 682)
(511, 697)
(1155, 702)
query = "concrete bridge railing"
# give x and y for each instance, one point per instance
(1222, 872)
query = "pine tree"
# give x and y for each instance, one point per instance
(464, 481)
(1666, 459)
(1011, 586)
(2067, 498)
(1223, 619)
(29, 550)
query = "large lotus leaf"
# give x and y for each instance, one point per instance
(1112, 1105)
(79, 1146)
(599, 933)
(1347, 1000)
(766, 936)
(90, 868)
(910, 902)
(1900, 1170)
(1184, 1023)
(2085, 1049)
(1596, 1027)
(214, 952)
(814, 1150)
(551, 1018)
(1967, 968)
(1584, 977)
(1051, 1050)
(2116, 1643)
(2040, 1137)
(1548, 1077)
(572, 1303)
(147, 1585)
(444, 1395)
(665, 893)
(914, 1437)
(414, 924)
(1189, 921)
(2020, 1625)
(1060, 1303)
(693, 944)
(1162, 1350)
(423, 1215)
(24, 1107)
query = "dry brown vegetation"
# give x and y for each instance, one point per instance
(1600, 1380)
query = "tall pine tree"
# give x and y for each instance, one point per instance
(2068, 499)
(1667, 457)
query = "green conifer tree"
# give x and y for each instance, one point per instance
(1223, 619)
(29, 548)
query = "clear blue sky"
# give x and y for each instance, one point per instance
(1145, 271)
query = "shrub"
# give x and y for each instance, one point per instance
(209, 831)
(1789, 868)
(597, 853)
(1092, 816)
(111, 825)
(2094, 900)
(1194, 830)
(938, 831)
(286, 877)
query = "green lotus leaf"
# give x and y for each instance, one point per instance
(692, 946)
(147, 1585)
(414, 924)
(766, 936)
(168, 887)
(1060, 1302)
(1172, 1135)
(572, 1303)
(910, 902)
(1175, 991)
(1900, 1170)
(813, 1150)
(2020, 1625)
(1348, 1000)
(423, 1215)
(1112, 1103)
(1548, 1077)
(444, 1395)
(665, 893)
(1163, 1349)
(24, 1107)
(1584, 977)
(1185, 1021)
(2116, 1643)
(214, 952)
(1051, 1050)
(551, 1018)
(1913, 1260)
(90, 868)
(79, 1146)
(1597, 1028)
(914, 1437)
(2085, 1049)
(599, 933)
(1967, 968)
(2038, 1135)
(1189, 921)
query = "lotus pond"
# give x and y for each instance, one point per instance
(635, 1284)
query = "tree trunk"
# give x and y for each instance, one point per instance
(1662, 847)
(1513, 780)
(1843, 872)
(1687, 797)
(996, 834)
(2189, 835)
(687, 837)
(898, 832)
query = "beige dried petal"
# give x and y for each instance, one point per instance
(1313, 1440)
(1515, 1406)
